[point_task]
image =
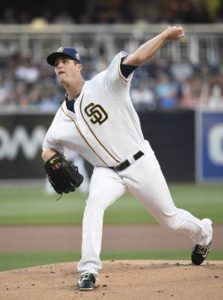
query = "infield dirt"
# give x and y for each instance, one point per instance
(124, 280)
(127, 280)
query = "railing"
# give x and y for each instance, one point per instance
(203, 43)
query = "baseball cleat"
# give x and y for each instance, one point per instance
(86, 282)
(199, 253)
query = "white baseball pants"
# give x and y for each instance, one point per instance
(144, 180)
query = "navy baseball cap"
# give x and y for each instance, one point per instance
(65, 51)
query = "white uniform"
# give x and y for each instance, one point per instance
(105, 129)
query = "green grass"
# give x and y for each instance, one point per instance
(9, 261)
(31, 206)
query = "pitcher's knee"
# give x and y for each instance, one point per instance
(98, 201)
(171, 222)
(95, 203)
(177, 220)
(171, 225)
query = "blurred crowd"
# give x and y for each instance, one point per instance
(160, 84)
(170, 85)
(112, 11)
(24, 83)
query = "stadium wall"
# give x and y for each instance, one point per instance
(171, 134)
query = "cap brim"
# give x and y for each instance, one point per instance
(53, 56)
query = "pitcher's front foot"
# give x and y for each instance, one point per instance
(86, 281)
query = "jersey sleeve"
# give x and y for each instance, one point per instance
(115, 81)
(49, 140)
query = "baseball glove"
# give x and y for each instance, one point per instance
(62, 174)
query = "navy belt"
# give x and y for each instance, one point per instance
(125, 164)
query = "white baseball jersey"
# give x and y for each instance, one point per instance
(105, 128)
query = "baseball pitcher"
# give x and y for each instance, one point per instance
(98, 120)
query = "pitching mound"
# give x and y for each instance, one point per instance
(134, 280)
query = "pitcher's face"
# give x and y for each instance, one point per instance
(67, 69)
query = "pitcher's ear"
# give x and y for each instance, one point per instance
(79, 66)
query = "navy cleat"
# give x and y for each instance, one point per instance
(86, 282)
(199, 253)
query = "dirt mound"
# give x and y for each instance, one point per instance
(136, 280)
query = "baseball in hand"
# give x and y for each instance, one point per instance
(174, 32)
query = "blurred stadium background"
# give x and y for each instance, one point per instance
(178, 95)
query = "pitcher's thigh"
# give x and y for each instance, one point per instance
(105, 187)
(154, 193)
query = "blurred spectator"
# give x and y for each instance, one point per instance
(63, 17)
(143, 97)
(181, 71)
(190, 96)
(26, 70)
(216, 97)
(166, 92)
(39, 22)
(5, 87)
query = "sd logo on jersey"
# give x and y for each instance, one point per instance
(96, 113)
